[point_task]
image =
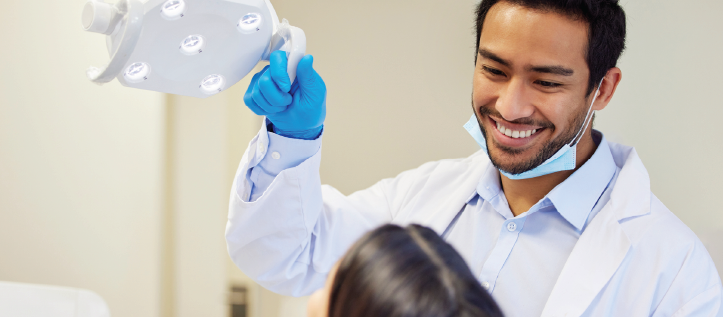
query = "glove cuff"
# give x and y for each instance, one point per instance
(310, 134)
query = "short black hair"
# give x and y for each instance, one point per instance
(411, 271)
(606, 29)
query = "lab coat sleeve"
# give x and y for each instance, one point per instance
(696, 289)
(290, 236)
(705, 304)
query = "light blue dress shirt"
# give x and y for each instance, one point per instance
(521, 256)
(283, 153)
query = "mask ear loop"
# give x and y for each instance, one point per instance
(581, 133)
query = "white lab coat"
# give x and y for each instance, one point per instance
(635, 258)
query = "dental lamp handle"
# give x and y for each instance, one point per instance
(295, 50)
(291, 40)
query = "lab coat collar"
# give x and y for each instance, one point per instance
(602, 247)
(632, 198)
(575, 198)
(465, 176)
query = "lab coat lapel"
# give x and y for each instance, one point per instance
(593, 261)
(603, 245)
(436, 206)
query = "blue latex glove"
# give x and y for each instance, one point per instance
(296, 111)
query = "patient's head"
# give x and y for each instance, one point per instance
(402, 272)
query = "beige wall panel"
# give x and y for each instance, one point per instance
(80, 164)
(199, 193)
(207, 140)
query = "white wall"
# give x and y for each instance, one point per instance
(669, 104)
(80, 164)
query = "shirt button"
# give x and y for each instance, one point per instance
(276, 155)
(486, 285)
(511, 226)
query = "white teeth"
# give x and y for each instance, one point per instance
(515, 134)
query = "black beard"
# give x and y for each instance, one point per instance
(548, 150)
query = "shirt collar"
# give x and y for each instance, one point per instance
(489, 185)
(575, 197)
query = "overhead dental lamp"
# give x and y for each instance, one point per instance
(193, 48)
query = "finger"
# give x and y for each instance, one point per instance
(251, 104)
(264, 104)
(254, 80)
(278, 70)
(294, 86)
(248, 97)
(311, 85)
(307, 76)
(271, 91)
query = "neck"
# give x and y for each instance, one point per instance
(522, 194)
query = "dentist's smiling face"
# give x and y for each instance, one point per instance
(530, 84)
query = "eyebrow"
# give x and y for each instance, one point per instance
(489, 55)
(556, 70)
(545, 69)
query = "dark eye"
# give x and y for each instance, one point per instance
(493, 71)
(548, 84)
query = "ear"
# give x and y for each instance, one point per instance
(607, 89)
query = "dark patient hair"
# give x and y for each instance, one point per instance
(406, 272)
(606, 28)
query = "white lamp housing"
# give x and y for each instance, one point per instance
(193, 48)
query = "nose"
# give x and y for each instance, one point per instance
(514, 101)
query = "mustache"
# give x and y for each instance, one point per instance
(489, 111)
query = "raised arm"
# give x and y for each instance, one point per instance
(285, 230)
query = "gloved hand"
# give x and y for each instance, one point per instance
(296, 111)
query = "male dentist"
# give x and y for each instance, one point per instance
(552, 218)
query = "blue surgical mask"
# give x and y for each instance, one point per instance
(563, 160)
